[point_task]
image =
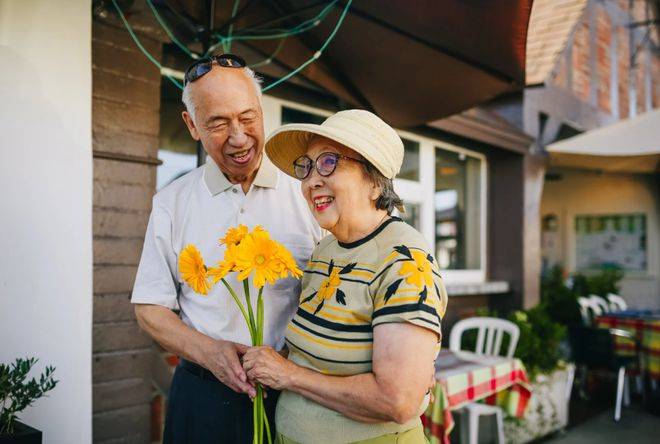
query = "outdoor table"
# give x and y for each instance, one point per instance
(465, 377)
(645, 326)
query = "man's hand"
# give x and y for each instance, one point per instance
(223, 360)
(268, 367)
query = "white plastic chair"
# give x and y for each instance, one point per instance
(617, 303)
(588, 310)
(490, 335)
(601, 303)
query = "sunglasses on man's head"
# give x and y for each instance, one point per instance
(203, 66)
(326, 163)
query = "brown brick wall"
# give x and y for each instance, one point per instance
(125, 120)
(580, 67)
(640, 80)
(602, 29)
(623, 67)
(603, 59)
(560, 74)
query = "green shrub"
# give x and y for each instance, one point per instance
(539, 343)
(16, 394)
(560, 302)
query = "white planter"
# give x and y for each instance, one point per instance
(547, 411)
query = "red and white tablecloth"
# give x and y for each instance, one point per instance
(465, 377)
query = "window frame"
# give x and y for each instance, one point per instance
(420, 192)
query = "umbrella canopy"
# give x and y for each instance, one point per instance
(410, 62)
(631, 146)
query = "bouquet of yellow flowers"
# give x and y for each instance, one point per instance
(248, 254)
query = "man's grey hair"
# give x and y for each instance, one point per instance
(388, 199)
(190, 106)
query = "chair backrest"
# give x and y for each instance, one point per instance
(592, 346)
(617, 303)
(601, 303)
(588, 310)
(490, 335)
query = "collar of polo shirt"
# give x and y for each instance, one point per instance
(216, 182)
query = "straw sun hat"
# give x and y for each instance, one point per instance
(359, 130)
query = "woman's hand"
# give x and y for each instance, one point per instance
(268, 367)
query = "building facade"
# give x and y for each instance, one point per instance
(607, 69)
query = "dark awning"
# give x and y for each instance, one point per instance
(411, 62)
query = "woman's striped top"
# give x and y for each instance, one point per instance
(348, 289)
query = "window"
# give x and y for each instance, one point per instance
(410, 167)
(411, 216)
(617, 240)
(443, 187)
(457, 204)
(176, 149)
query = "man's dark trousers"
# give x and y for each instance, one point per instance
(202, 410)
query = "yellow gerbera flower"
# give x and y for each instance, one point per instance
(289, 263)
(234, 235)
(226, 265)
(419, 270)
(259, 253)
(192, 269)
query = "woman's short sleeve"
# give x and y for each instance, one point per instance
(409, 288)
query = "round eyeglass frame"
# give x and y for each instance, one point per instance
(318, 164)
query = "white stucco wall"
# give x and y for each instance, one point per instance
(592, 193)
(46, 205)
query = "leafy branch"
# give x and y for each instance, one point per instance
(16, 394)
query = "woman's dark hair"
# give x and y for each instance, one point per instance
(388, 199)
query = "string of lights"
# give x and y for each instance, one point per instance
(317, 54)
(279, 33)
(137, 42)
(245, 34)
(231, 27)
(169, 33)
(271, 57)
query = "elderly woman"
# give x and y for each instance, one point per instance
(367, 329)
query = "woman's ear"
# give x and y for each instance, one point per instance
(375, 191)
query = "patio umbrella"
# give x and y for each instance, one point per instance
(410, 62)
(628, 146)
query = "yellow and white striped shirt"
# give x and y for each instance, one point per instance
(347, 290)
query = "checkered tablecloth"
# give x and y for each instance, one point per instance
(646, 328)
(466, 377)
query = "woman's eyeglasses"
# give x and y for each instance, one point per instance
(326, 163)
(202, 67)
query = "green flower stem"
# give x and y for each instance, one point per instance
(253, 333)
(260, 317)
(260, 341)
(246, 289)
(263, 412)
(255, 419)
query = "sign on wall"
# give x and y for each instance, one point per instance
(611, 240)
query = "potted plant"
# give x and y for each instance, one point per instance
(539, 348)
(16, 394)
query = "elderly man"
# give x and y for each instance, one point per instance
(208, 399)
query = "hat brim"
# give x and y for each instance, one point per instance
(290, 141)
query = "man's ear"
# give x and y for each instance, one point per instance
(190, 123)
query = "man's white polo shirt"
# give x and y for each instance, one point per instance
(197, 209)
